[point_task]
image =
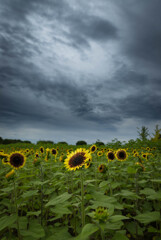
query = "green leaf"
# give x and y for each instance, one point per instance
(33, 213)
(117, 218)
(103, 184)
(59, 199)
(7, 221)
(131, 170)
(147, 191)
(119, 236)
(156, 180)
(39, 182)
(61, 210)
(59, 234)
(155, 196)
(35, 230)
(128, 194)
(132, 227)
(87, 230)
(148, 217)
(29, 193)
(114, 226)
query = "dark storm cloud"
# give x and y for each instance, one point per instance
(39, 85)
(143, 40)
(84, 27)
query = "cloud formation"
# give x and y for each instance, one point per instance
(79, 70)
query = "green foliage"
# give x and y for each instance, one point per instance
(44, 201)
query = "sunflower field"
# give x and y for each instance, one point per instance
(65, 192)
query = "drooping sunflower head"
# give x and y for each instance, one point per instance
(110, 155)
(16, 160)
(121, 154)
(77, 159)
(93, 148)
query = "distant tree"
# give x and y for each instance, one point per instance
(81, 142)
(1, 140)
(65, 143)
(45, 142)
(99, 143)
(157, 133)
(143, 133)
(26, 141)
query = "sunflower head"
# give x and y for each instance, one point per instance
(36, 154)
(110, 155)
(136, 154)
(144, 155)
(16, 160)
(102, 168)
(77, 159)
(47, 154)
(4, 158)
(100, 153)
(42, 150)
(54, 151)
(101, 214)
(121, 154)
(93, 148)
(88, 164)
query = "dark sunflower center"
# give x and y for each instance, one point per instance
(77, 160)
(54, 151)
(93, 149)
(111, 156)
(41, 150)
(16, 160)
(122, 155)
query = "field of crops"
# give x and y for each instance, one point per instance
(80, 192)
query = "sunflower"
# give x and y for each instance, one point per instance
(47, 154)
(16, 160)
(121, 154)
(77, 159)
(54, 151)
(100, 153)
(101, 214)
(102, 168)
(4, 158)
(136, 154)
(42, 150)
(110, 155)
(144, 155)
(36, 155)
(87, 165)
(93, 148)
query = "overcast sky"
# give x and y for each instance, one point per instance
(79, 70)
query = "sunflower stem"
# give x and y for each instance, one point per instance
(16, 207)
(82, 199)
